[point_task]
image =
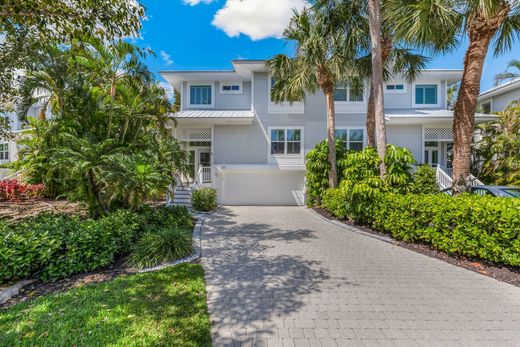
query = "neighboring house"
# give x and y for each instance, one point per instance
(253, 150)
(497, 99)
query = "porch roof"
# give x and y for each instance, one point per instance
(430, 115)
(215, 116)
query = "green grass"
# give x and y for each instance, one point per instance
(164, 308)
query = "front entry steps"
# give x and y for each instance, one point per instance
(182, 196)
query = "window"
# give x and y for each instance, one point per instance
(201, 95)
(344, 93)
(353, 139)
(395, 88)
(230, 87)
(4, 151)
(426, 94)
(286, 141)
(486, 108)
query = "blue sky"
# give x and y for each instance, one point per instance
(208, 34)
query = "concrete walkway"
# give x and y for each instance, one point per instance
(282, 276)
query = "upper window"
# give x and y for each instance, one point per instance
(353, 139)
(395, 88)
(426, 94)
(286, 141)
(201, 95)
(345, 93)
(4, 151)
(230, 87)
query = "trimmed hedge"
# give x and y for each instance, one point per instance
(204, 199)
(467, 225)
(50, 247)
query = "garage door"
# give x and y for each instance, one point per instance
(262, 187)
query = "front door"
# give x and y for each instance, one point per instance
(431, 153)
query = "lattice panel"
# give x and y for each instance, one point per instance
(194, 134)
(438, 134)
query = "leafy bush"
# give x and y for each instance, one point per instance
(467, 225)
(398, 177)
(11, 189)
(54, 246)
(163, 245)
(51, 246)
(204, 199)
(317, 170)
(425, 181)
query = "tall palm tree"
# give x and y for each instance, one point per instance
(509, 75)
(440, 25)
(374, 21)
(323, 59)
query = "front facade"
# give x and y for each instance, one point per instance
(497, 99)
(253, 150)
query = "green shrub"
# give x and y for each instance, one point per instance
(425, 181)
(335, 201)
(163, 245)
(52, 246)
(204, 199)
(467, 225)
(317, 170)
(398, 177)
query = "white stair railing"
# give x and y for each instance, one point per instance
(206, 174)
(443, 179)
(19, 176)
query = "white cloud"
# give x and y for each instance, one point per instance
(168, 88)
(196, 2)
(166, 58)
(258, 19)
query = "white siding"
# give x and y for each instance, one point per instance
(409, 136)
(501, 102)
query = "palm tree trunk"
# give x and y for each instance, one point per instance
(374, 17)
(371, 117)
(481, 31)
(331, 137)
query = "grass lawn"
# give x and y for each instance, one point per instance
(164, 308)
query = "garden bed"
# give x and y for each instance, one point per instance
(503, 273)
(166, 308)
(17, 210)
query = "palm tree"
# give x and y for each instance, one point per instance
(45, 83)
(374, 20)
(440, 25)
(509, 75)
(323, 59)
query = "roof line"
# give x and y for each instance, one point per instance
(497, 88)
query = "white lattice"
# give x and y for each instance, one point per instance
(438, 134)
(194, 134)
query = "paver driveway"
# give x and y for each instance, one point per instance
(282, 276)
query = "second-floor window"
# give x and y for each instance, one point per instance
(230, 88)
(201, 95)
(345, 93)
(353, 139)
(4, 151)
(286, 141)
(426, 94)
(395, 88)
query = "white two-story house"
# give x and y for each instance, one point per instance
(253, 150)
(498, 98)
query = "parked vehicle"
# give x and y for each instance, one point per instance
(497, 191)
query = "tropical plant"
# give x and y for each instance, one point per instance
(27, 27)
(204, 199)
(317, 168)
(425, 181)
(440, 25)
(323, 59)
(498, 151)
(509, 75)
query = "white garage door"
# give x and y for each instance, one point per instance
(262, 187)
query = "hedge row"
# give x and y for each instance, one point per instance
(467, 225)
(52, 246)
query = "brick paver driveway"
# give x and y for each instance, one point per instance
(282, 276)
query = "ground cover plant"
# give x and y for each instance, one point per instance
(50, 246)
(164, 308)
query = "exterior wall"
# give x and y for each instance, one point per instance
(223, 101)
(501, 102)
(239, 144)
(409, 136)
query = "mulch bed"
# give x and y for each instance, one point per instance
(39, 288)
(503, 273)
(16, 210)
